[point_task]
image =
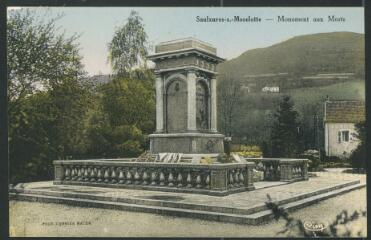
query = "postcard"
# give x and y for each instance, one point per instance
(186, 122)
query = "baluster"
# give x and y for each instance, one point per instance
(106, 174)
(189, 180)
(83, 169)
(113, 175)
(86, 174)
(242, 179)
(236, 180)
(198, 180)
(73, 173)
(128, 177)
(67, 173)
(121, 176)
(145, 177)
(231, 178)
(268, 172)
(180, 179)
(162, 178)
(80, 173)
(76, 173)
(153, 177)
(99, 175)
(93, 174)
(136, 176)
(171, 179)
(207, 181)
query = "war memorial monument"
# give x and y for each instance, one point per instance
(185, 172)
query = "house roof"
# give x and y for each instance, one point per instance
(344, 111)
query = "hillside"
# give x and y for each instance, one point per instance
(308, 68)
(302, 56)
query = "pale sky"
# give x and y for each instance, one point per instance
(97, 25)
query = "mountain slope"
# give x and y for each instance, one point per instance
(303, 55)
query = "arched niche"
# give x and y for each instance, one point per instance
(176, 104)
(202, 105)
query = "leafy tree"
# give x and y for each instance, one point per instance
(38, 57)
(128, 47)
(125, 115)
(47, 95)
(285, 130)
(358, 156)
(71, 100)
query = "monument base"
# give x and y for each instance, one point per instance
(186, 142)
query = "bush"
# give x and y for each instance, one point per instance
(296, 227)
(333, 159)
(314, 159)
(336, 165)
(206, 160)
(249, 154)
(358, 156)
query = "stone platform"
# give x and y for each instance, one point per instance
(245, 207)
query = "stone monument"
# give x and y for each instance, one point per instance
(186, 151)
(186, 107)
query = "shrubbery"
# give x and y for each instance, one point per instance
(358, 156)
(314, 159)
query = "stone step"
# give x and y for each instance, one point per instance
(213, 216)
(252, 218)
(182, 205)
(266, 215)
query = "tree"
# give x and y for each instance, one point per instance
(125, 116)
(47, 95)
(128, 47)
(229, 92)
(358, 156)
(38, 57)
(285, 130)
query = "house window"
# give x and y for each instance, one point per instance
(343, 136)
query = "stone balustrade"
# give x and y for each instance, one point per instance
(284, 169)
(215, 179)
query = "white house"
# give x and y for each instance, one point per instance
(339, 120)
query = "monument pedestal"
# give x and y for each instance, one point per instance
(186, 143)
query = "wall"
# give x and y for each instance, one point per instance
(332, 145)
